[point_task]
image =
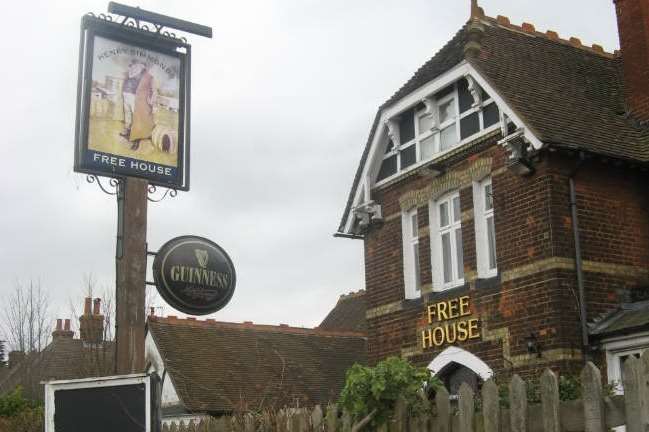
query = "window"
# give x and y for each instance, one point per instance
(446, 242)
(618, 351)
(436, 125)
(411, 272)
(485, 229)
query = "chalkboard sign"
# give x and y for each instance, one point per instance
(105, 404)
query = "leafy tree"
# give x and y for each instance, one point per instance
(370, 393)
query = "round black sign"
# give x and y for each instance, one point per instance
(194, 275)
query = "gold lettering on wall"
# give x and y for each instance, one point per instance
(443, 332)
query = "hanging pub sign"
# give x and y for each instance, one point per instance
(194, 275)
(132, 104)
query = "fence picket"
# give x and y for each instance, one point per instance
(332, 418)
(347, 422)
(644, 373)
(443, 410)
(517, 404)
(633, 393)
(316, 418)
(550, 401)
(591, 384)
(490, 406)
(466, 408)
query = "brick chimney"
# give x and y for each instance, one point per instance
(91, 323)
(61, 330)
(633, 27)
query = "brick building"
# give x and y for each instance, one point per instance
(502, 201)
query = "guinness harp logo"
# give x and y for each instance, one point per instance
(201, 256)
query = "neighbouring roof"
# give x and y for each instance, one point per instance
(569, 95)
(628, 318)
(64, 358)
(348, 314)
(218, 367)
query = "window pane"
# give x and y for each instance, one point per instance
(490, 115)
(408, 156)
(390, 146)
(414, 227)
(465, 99)
(427, 147)
(426, 123)
(388, 167)
(415, 254)
(446, 257)
(443, 214)
(446, 111)
(491, 239)
(456, 209)
(459, 253)
(488, 198)
(448, 138)
(470, 125)
(407, 126)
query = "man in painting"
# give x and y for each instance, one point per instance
(138, 104)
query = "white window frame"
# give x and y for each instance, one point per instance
(411, 267)
(436, 233)
(481, 214)
(437, 131)
(619, 347)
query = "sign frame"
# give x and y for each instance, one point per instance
(92, 26)
(51, 387)
(173, 299)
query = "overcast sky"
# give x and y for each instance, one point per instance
(283, 98)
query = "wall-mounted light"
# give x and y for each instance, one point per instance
(533, 345)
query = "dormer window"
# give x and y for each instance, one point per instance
(450, 117)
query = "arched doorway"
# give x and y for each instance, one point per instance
(455, 366)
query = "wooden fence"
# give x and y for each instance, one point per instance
(595, 412)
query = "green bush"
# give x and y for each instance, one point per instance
(376, 389)
(18, 414)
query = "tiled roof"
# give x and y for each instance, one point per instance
(219, 367)
(630, 317)
(64, 358)
(571, 96)
(348, 314)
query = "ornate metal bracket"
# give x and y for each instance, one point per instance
(152, 189)
(112, 189)
(137, 24)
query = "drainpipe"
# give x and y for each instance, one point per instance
(578, 260)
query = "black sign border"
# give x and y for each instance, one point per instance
(92, 26)
(169, 297)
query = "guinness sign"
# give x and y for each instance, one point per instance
(194, 275)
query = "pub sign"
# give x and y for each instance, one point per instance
(132, 104)
(194, 275)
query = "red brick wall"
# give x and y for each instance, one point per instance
(533, 224)
(633, 25)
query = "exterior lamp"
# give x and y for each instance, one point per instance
(533, 345)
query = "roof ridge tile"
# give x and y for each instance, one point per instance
(551, 35)
(281, 328)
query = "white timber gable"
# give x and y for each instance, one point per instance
(450, 111)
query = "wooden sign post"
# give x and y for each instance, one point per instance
(131, 262)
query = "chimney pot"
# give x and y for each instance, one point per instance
(87, 305)
(67, 325)
(97, 307)
(58, 324)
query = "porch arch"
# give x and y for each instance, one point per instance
(462, 357)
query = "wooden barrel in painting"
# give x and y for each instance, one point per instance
(165, 139)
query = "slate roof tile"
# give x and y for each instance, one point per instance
(219, 367)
